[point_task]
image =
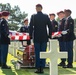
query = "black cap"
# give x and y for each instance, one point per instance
(5, 13)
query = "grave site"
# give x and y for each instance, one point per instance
(22, 61)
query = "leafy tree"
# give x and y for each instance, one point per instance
(16, 16)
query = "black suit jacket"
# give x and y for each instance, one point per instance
(69, 25)
(38, 26)
(4, 32)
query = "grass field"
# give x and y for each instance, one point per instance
(13, 71)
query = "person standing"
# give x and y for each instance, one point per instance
(38, 28)
(25, 29)
(62, 46)
(69, 37)
(53, 22)
(0, 36)
(5, 40)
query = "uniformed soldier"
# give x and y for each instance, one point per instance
(0, 36)
(25, 29)
(62, 46)
(69, 37)
(53, 22)
(38, 28)
(5, 40)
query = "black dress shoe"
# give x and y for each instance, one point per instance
(61, 64)
(37, 71)
(41, 70)
(68, 66)
(0, 64)
(6, 67)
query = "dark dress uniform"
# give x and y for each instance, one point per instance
(0, 21)
(62, 45)
(0, 36)
(25, 29)
(0, 41)
(54, 25)
(38, 28)
(4, 42)
(69, 37)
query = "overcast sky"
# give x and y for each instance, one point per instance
(49, 6)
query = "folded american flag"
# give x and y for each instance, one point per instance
(56, 33)
(14, 35)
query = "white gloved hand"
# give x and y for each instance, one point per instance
(53, 36)
(59, 35)
(64, 32)
(9, 36)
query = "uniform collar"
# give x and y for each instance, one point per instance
(52, 20)
(25, 25)
(39, 12)
(68, 17)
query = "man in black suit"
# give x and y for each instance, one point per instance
(69, 37)
(53, 22)
(38, 28)
(5, 40)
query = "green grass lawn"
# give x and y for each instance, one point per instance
(13, 71)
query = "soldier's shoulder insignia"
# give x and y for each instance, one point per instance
(2, 24)
(56, 26)
(71, 23)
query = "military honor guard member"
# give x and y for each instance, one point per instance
(53, 22)
(25, 29)
(5, 40)
(62, 46)
(0, 36)
(38, 28)
(69, 37)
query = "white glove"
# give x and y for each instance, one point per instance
(9, 36)
(53, 36)
(59, 35)
(64, 32)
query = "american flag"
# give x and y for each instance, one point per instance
(14, 35)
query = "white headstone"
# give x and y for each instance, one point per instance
(53, 55)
